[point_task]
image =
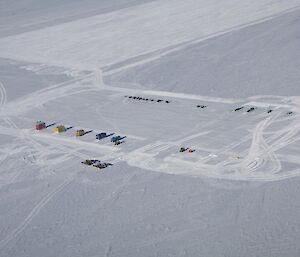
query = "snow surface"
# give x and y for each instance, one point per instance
(236, 195)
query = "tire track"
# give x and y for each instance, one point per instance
(34, 212)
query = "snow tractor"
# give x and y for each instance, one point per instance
(40, 125)
(239, 108)
(90, 162)
(60, 129)
(101, 165)
(79, 133)
(101, 135)
(251, 109)
(118, 142)
(115, 139)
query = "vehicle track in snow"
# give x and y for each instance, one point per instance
(265, 148)
(259, 150)
(33, 213)
(40, 97)
(45, 95)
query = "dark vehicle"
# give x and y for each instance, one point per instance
(201, 106)
(183, 149)
(101, 135)
(101, 165)
(118, 142)
(251, 109)
(269, 111)
(115, 139)
(90, 162)
(240, 108)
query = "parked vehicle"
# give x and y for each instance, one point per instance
(79, 132)
(118, 142)
(116, 138)
(101, 135)
(40, 125)
(239, 108)
(90, 162)
(59, 129)
(101, 165)
(251, 109)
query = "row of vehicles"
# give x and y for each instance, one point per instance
(115, 139)
(96, 163)
(40, 125)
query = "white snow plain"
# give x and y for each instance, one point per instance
(236, 195)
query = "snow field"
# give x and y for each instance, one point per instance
(153, 142)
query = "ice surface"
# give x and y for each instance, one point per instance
(78, 63)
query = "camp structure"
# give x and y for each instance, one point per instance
(60, 129)
(40, 125)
